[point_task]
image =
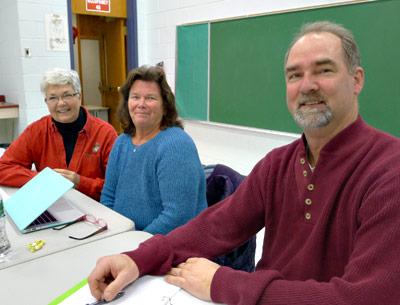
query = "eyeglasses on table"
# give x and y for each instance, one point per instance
(100, 223)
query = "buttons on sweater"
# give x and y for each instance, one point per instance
(308, 189)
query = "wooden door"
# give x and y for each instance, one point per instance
(110, 33)
(91, 66)
(115, 66)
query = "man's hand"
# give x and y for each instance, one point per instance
(195, 276)
(111, 275)
(70, 175)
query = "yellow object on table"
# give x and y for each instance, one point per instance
(36, 245)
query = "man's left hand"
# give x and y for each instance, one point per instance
(195, 276)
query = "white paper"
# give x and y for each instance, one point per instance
(56, 32)
(148, 290)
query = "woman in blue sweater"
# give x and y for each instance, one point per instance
(154, 175)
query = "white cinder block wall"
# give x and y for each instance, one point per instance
(10, 67)
(22, 25)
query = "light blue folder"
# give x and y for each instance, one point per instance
(35, 197)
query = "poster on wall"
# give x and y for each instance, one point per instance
(56, 32)
(103, 6)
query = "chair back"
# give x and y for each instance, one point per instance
(222, 181)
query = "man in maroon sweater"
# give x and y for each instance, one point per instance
(330, 203)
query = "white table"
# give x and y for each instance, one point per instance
(8, 111)
(58, 240)
(39, 281)
(8, 115)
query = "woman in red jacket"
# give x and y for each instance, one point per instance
(69, 140)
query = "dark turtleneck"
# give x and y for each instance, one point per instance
(69, 133)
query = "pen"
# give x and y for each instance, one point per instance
(100, 302)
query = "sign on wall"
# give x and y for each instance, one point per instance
(56, 32)
(103, 6)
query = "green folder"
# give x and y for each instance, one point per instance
(68, 293)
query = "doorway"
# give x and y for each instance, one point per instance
(100, 59)
(91, 67)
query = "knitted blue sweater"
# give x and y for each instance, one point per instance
(160, 184)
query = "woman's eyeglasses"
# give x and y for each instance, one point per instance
(66, 97)
(100, 223)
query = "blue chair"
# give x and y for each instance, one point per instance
(222, 181)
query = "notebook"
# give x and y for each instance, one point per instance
(39, 203)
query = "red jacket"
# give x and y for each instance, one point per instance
(41, 144)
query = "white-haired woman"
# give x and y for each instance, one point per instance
(69, 140)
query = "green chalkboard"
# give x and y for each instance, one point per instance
(246, 64)
(192, 71)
